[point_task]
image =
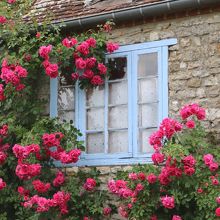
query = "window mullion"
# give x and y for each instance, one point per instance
(106, 94)
(134, 108)
(53, 97)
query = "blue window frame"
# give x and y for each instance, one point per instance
(138, 111)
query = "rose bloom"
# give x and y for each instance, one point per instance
(97, 80)
(90, 184)
(190, 124)
(111, 47)
(153, 217)
(102, 68)
(106, 211)
(215, 182)
(151, 178)
(44, 51)
(141, 176)
(176, 217)
(217, 212)
(218, 200)
(168, 202)
(208, 158)
(90, 62)
(189, 161)
(132, 176)
(38, 35)
(2, 184)
(157, 158)
(189, 170)
(3, 19)
(52, 70)
(75, 76)
(80, 63)
(83, 48)
(199, 190)
(91, 42)
(213, 167)
(11, 1)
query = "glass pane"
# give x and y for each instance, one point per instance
(118, 117)
(95, 96)
(147, 90)
(118, 141)
(118, 93)
(66, 98)
(95, 143)
(117, 68)
(148, 115)
(66, 116)
(144, 146)
(147, 64)
(95, 119)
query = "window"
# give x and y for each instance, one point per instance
(117, 118)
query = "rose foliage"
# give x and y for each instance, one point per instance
(183, 183)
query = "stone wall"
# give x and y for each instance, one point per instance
(194, 63)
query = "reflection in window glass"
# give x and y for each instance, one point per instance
(118, 141)
(95, 143)
(118, 68)
(147, 64)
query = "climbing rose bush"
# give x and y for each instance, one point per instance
(183, 181)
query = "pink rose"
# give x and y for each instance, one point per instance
(97, 80)
(59, 180)
(189, 170)
(75, 76)
(90, 62)
(88, 74)
(38, 35)
(69, 42)
(176, 217)
(111, 47)
(190, 124)
(218, 200)
(153, 217)
(102, 68)
(132, 176)
(2, 184)
(44, 51)
(199, 190)
(189, 161)
(91, 42)
(83, 48)
(208, 159)
(213, 166)
(52, 70)
(90, 184)
(157, 158)
(217, 212)
(11, 1)
(3, 19)
(168, 202)
(151, 178)
(80, 63)
(106, 211)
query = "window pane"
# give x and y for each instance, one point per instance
(95, 143)
(148, 115)
(147, 64)
(118, 117)
(117, 68)
(147, 90)
(95, 119)
(95, 96)
(118, 93)
(66, 116)
(66, 98)
(144, 146)
(118, 141)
